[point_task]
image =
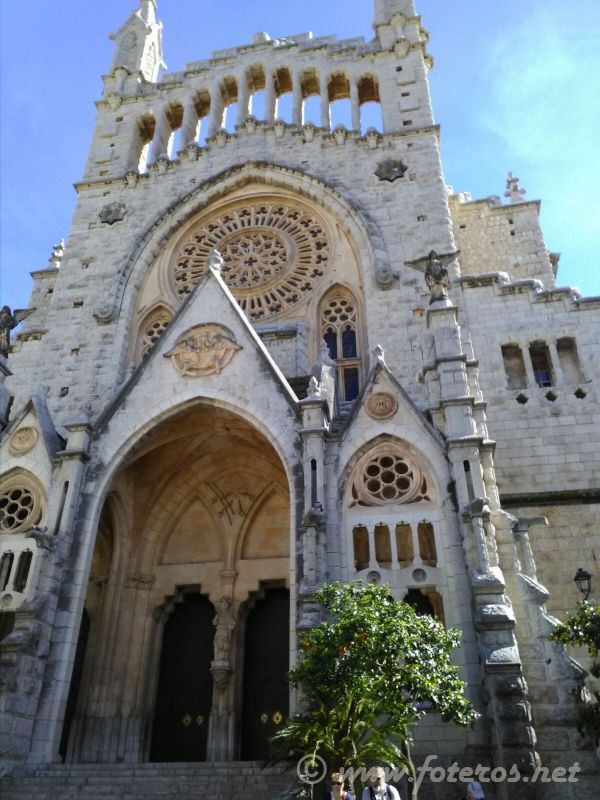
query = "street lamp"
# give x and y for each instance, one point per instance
(583, 580)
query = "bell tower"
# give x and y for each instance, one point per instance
(139, 42)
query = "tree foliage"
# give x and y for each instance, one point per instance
(583, 630)
(368, 674)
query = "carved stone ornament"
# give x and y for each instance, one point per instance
(390, 170)
(381, 405)
(22, 441)
(114, 212)
(203, 350)
(436, 278)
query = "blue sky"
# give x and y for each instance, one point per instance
(515, 86)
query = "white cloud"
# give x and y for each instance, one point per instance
(545, 89)
(543, 100)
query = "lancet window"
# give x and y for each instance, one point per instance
(153, 328)
(340, 331)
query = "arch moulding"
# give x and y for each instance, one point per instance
(346, 210)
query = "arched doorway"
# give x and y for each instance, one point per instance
(185, 684)
(265, 697)
(200, 521)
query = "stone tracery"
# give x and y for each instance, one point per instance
(387, 475)
(20, 505)
(273, 256)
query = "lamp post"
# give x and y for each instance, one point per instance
(583, 579)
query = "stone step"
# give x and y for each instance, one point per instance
(231, 781)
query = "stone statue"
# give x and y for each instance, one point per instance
(314, 389)
(9, 320)
(58, 251)
(224, 623)
(436, 278)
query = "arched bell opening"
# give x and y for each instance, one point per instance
(199, 518)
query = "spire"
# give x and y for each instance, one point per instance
(148, 11)
(139, 42)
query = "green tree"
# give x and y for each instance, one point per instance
(367, 676)
(583, 630)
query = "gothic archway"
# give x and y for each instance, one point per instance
(203, 521)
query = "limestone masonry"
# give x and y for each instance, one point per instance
(271, 354)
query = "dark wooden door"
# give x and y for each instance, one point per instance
(184, 696)
(266, 663)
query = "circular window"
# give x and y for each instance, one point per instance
(386, 475)
(273, 255)
(19, 509)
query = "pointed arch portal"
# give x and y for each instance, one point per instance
(188, 585)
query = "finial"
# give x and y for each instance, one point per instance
(513, 190)
(379, 354)
(215, 261)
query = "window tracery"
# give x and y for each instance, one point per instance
(339, 330)
(20, 506)
(153, 328)
(273, 255)
(387, 475)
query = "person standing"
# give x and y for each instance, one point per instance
(337, 789)
(379, 789)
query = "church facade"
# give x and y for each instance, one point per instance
(274, 353)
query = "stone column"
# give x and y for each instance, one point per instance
(270, 99)
(531, 381)
(312, 548)
(221, 726)
(355, 105)
(189, 128)
(162, 134)
(559, 378)
(297, 99)
(61, 611)
(243, 99)
(217, 110)
(325, 113)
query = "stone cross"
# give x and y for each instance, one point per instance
(513, 190)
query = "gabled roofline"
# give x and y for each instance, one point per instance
(381, 367)
(211, 274)
(53, 441)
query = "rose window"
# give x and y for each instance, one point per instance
(273, 256)
(387, 476)
(19, 509)
(253, 258)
